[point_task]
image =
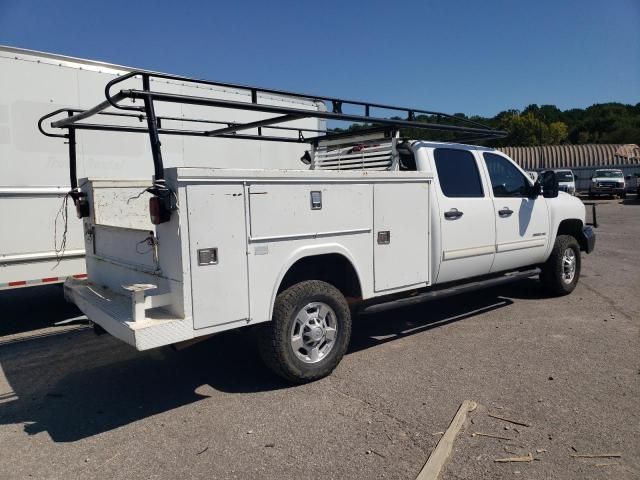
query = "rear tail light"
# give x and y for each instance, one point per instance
(159, 210)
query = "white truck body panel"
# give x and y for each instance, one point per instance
(35, 174)
(261, 222)
(216, 219)
(404, 261)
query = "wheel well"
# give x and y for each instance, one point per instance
(573, 227)
(332, 268)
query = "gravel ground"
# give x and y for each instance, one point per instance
(75, 405)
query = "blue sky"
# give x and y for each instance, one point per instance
(476, 57)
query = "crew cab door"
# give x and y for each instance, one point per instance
(466, 216)
(522, 223)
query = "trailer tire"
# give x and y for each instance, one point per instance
(314, 317)
(561, 271)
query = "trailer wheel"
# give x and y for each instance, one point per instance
(561, 271)
(309, 332)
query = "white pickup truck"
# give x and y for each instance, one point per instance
(369, 223)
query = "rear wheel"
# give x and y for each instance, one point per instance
(309, 332)
(560, 273)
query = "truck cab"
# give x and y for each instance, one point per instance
(477, 187)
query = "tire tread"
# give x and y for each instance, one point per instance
(550, 276)
(271, 342)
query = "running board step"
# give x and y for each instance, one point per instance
(447, 292)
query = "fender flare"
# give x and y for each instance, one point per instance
(310, 251)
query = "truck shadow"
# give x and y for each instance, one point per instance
(76, 385)
(26, 309)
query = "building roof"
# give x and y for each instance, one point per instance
(574, 156)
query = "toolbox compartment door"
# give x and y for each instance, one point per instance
(218, 250)
(401, 235)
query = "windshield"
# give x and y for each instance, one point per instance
(608, 173)
(565, 176)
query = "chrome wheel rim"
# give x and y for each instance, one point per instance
(314, 332)
(568, 265)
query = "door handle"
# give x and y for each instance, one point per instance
(505, 212)
(453, 214)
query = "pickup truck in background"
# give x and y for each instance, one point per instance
(369, 221)
(566, 181)
(608, 181)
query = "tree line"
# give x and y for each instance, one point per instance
(547, 125)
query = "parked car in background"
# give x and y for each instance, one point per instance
(566, 181)
(607, 181)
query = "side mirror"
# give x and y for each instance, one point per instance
(535, 190)
(549, 182)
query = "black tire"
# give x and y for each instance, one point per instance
(274, 340)
(552, 275)
(623, 195)
(591, 195)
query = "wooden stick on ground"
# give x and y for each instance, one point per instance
(490, 435)
(596, 455)
(528, 458)
(441, 453)
(516, 422)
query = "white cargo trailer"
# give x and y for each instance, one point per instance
(374, 221)
(34, 172)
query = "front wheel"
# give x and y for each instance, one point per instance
(561, 271)
(309, 332)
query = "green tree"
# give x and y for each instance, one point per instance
(557, 133)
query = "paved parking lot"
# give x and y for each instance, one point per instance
(75, 405)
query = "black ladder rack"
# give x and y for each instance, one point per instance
(123, 100)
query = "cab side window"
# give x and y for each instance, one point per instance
(506, 179)
(457, 173)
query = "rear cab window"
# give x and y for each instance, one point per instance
(458, 173)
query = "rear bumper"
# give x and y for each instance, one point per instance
(115, 313)
(588, 240)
